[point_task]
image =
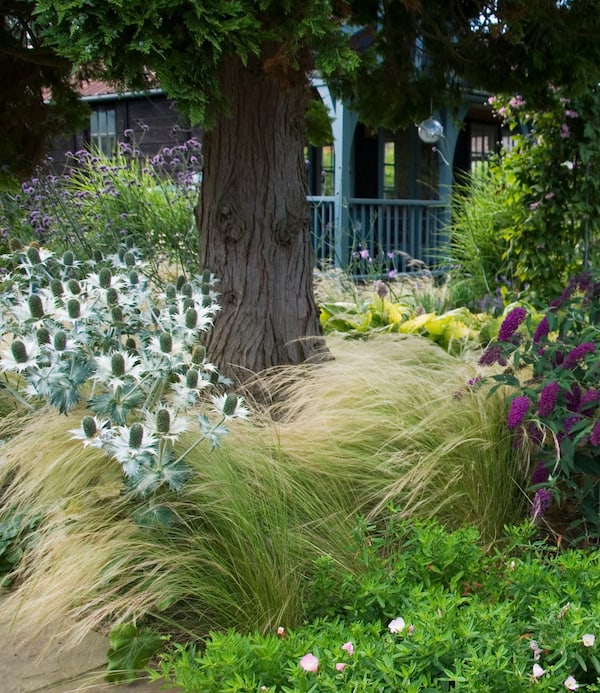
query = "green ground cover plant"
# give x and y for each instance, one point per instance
(426, 610)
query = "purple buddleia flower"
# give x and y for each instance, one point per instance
(577, 353)
(580, 282)
(540, 474)
(595, 436)
(492, 355)
(541, 502)
(573, 398)
(511, 323)
(548, 397)
(541, 331)
(570, 422)
(518, 410)
(589, 399)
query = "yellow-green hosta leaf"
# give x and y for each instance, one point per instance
(458, 330)
(416, 324)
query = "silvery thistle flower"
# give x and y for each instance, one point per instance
(133, 446)
(186, 391)
(96, 283)
(230, 406)
(93, 432)
(117, 369)
(20, 355)
(166, 423)
(33, 310)
(164, 354)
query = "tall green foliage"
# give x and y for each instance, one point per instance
(484, 205)
(553, 171)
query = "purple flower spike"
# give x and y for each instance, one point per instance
(492, 355)
(518, 410)
(541, 331)
(578, 353)
(573, 398)
(540, 474)
(589, 400)
(548, 397)
(541, 502)
(511, 323)
(595, 436)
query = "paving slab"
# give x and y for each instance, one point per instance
(44, 665)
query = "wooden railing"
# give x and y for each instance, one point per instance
(411, 230)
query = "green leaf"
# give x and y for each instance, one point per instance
(131, 648)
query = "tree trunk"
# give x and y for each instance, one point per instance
(254, 225)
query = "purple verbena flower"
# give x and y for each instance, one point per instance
(511, 323)
(577, 353)
(548, 397)
(518, 410)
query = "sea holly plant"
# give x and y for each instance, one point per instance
(101, 334)
(551, 366)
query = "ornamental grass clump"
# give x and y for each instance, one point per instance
(551, 366)
(388, 421)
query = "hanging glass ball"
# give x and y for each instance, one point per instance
(430, 130)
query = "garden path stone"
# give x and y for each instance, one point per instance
(34, 667)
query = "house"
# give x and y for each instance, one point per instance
(380, 198)
(150, 119)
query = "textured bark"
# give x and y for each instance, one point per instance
(254, 225)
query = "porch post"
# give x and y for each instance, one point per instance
(343, 125)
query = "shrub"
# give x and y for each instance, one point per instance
(551, 365)
(551, 170)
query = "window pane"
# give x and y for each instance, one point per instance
(103, 134)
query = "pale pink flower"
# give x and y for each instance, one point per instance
(340, 666)
(397, 625)
(281, 632)
(348, 647)
(588, 639)
(538, 671)
(570, 683)
(310, 663)
(565, 131)
(536, 649)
